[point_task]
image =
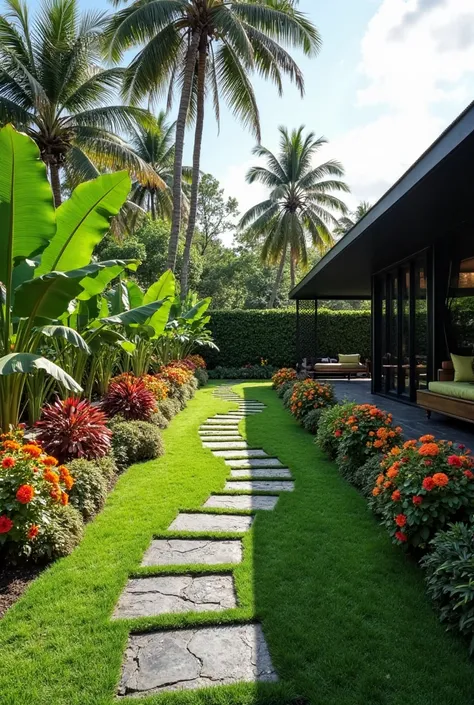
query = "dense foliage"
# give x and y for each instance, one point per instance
(246, 336)
(308, 395)
(130, 398)
(283, 376)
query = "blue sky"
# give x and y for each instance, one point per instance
(392, 74)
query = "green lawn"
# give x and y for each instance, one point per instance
(344, 611)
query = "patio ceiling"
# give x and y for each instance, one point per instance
(430, 201)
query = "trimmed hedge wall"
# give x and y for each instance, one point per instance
(244, 337)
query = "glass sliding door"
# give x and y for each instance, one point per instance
(401, 329)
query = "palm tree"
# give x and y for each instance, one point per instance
(207, 46)
(53, 87)
(349, 220)
(300, 205)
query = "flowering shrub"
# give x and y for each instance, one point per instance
(73, 429)
(129, 397)
(450, 577)
(198, 361)
(331, 421)
(311, 421)
(157, 386)
(185, 363)
(175, 374)
(310, 394)
(421, 487)
(364, 432)
(286, 374)
(32, 486)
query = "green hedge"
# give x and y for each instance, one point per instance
(244, 337)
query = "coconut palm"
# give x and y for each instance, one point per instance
(53, 88)
(349, 220)
(300, 206)
(207, 46)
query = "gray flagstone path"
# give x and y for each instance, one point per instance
(185, 659)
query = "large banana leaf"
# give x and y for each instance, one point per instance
(27, 217)
(48, 296)
(197, 311)
(96, 284)
(83, 220)
(137, 316)
(164, 287)
(135, 294)
(68, 334)
(26, 363)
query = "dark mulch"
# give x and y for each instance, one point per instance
(13, 582)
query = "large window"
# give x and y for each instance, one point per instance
(401, 341)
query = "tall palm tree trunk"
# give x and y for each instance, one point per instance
(179, 147)
(292, 272)
(276, 286)
(153, 205)
(196, 163)
(55, 183)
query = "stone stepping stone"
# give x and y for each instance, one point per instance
(166, 594)
(211, 522)
(186, 659)
(253, 453)
(230, 416)
(223, 421)
(222, 445)
(241, 502)
(233, 427)
(261, 485)
(254, 463)
(210, 439)
(191, 551)
(258, 473)
(219, 433)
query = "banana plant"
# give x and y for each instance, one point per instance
(45, 264)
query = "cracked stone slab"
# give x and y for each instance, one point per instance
(259, 473)
(254, 463)
(166, 594)
(191, 551)
(241, 502)
(187, 659)
(211, 522)
(261, 485)
(222, 445)
(252, 453)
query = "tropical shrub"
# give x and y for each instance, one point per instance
(310, 422)
(423, 485)
(130, 398)
(193, 383)
(176, 375)
(309, 394)
(287, 397)
(159, 419)
(135, 441)
(89, 491)
(169, 408)
(31, 488)
(364, 477)
(284, 375)
(331, 420)
(73, 429)
(157, 386)
(366, 431)
(284, 388)
(108, 468)
(61, 536)
(198, 361)
(202, 376)
(450, 577)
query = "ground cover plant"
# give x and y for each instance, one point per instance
(287, 589)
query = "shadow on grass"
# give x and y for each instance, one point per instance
(344, 611)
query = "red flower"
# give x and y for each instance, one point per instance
(428, 484)
(469, 474)
(396, 496)
(417, 499)
(25, 494)
(33, 531)
(401, 536)
(5, 524)
(440, 479)
(338, 433)
(8, 462)
(400, 520)
(455, 460)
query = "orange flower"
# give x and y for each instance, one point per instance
(380, 479)
(69, 482)
(51, 476)
(398, 429)
(25, 494)
(50, 461)
(440, 479)
(429, 449)
(376, 491)
(387, 485)
(378, 444)
(354, 428)
(63, 472)
(392, 472)
(8, 462)
(55, 494)
(400, 520)
(409, 444)
(64, 498)
(33, 531)
(395, 451)
(396, 496)
(427, 439)
(10, 445)
(32, 450)
(371, 433)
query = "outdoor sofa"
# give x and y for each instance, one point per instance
(347, 366)
(447, 396)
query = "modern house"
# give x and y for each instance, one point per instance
(413, 256)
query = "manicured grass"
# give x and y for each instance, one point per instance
(344, 611)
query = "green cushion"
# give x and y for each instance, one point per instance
(463, 368)
(349, 359)
(458, 390)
